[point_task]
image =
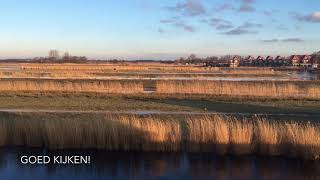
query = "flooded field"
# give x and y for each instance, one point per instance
(134, 165)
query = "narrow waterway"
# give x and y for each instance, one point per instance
(130, 165)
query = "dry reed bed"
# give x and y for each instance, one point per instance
(151, 67)
(117, 67)
(72, 74)
(54, 85)
(205, 133)
(274, 89)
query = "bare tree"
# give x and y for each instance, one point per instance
(66, 56)
(53, 54)
(192, 57)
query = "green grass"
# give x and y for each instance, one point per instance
(86, 101)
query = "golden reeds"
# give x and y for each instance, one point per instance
(276, 89)
(117, 67)
(270, 137)
(303, 139)
(205, 133)
(141, 67)
(273, 89)
(42, 85)
(96, 74)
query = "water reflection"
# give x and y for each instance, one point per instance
(305, 75)
(125, 165)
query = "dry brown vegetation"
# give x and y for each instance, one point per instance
(127, 67)
(117, 67)
(207, 133)
(282, 89)
(33, 70)
(41, 85)
(274, 89)
(137, 75)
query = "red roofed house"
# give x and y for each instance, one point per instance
(295, 60)
(306, 60)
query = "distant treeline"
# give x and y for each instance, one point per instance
(83, 61)
(192, 59)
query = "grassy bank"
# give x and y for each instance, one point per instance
(203, 133)
(151, 102)
(271, 89)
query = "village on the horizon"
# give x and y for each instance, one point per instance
(307, 61)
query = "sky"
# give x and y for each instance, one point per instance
(158, 29)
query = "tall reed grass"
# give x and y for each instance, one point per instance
(273, 89)
(201, 133)
(276, 89)
(117, 67)
(146, 67)
(64, 85)
(73, 74)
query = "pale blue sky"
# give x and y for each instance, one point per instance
(158, 29)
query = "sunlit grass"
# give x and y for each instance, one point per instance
(207, 133)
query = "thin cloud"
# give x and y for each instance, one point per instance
(247, 25)
(161, 31)
(267, 13)
(247, 6)
(239, 31)
(220, 24)
(270, 13)
(288, 40)
(246, 28)
(224, 26)
(224, 7)
(270, 40)
(185, 27)
(313, 17)
(296, 40)
(176, 22)
(282, 27)
(189, 8)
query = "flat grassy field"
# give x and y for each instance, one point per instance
(96, 102)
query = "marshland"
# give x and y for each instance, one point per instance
(160, 110)
(150, 89)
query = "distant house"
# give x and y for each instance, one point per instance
(269, 61)
(247, 61)
(259, 61)
(235, 61)
(295, 60)
(260, 58)
(306, 60)
(279, 59)
(316, 63)
(269, 58)
(250, 58)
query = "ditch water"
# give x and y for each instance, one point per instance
(129, 165)
(305, 75)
